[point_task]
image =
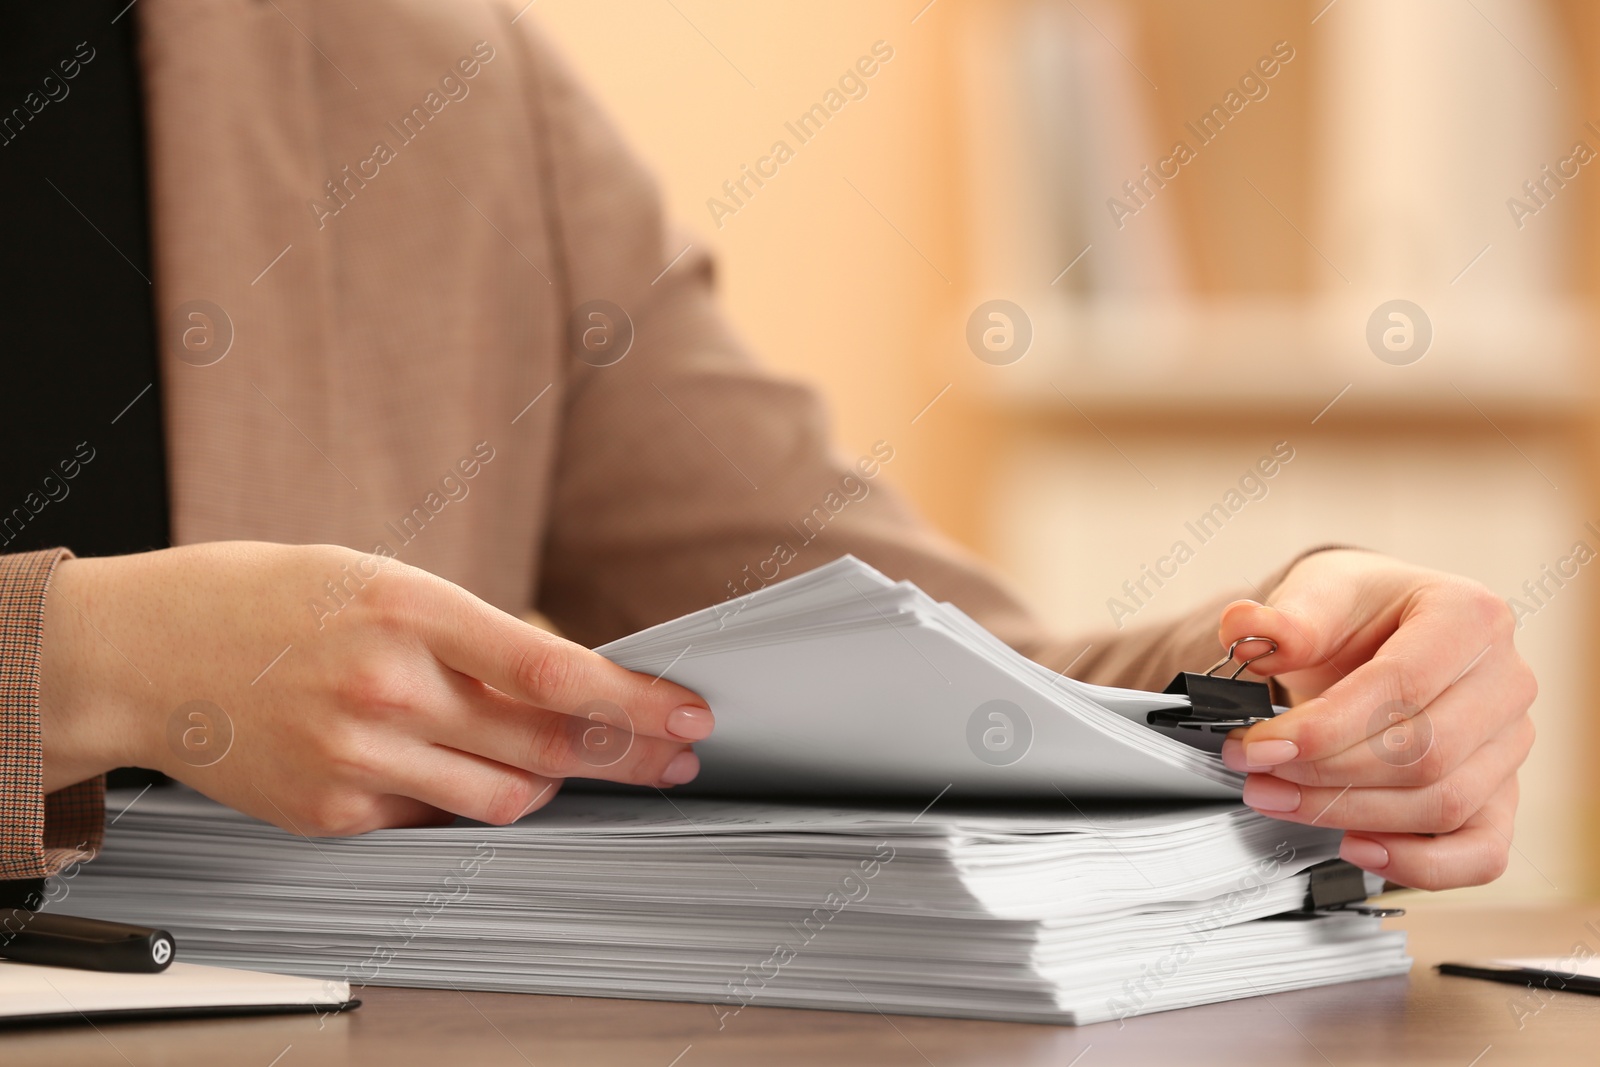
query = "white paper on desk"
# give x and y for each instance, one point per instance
(841, 681)
(1565, 966)
(29, 991)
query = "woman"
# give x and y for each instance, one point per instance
(380, 276)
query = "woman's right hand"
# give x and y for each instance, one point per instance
(402, 700)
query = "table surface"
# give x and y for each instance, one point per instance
(1422, 1019)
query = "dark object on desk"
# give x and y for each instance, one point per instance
(84, 944)
(141, 1015)
(1536, 977)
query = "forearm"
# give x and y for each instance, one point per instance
(86, 686)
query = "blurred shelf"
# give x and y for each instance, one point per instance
(1238, 358)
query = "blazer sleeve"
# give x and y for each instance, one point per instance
(39, 834)
(687, 475)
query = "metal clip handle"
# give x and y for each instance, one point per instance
(1361, 909)
(1225, 660)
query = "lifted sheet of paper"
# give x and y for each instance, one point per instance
(842, 681)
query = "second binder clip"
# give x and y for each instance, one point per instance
(1218, 704)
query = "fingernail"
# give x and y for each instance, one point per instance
(1234, 759)
(1364, 853)
(1266, 793)
(1270, 753)
(691, 723)
(682, 769)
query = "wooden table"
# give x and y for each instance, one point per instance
(1423, 1019)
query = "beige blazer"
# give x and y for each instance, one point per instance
(400, 206)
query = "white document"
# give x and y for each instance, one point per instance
(840, 681)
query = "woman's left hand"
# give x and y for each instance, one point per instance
(1410, 715)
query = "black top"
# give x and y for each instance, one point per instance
(82, 461)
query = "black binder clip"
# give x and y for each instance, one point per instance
(1219, 704)
(1340, 888)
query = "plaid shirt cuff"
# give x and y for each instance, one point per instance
(39, 834)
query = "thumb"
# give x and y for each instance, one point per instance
(1298, 663)
(1300, 644)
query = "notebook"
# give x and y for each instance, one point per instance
(34, 994)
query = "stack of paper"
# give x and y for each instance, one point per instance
(897, 813)
(1061, 913)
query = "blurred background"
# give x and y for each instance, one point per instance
(1200, 218)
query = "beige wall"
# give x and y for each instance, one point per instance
(816, 279)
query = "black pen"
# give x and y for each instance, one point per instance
(84, 944)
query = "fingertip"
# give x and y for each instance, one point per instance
(1255, 632)
(691, 722)
(1288, 638)
(1269, 753)
(1244, 757)
(1311, 729)
(1364, 852)
(1271, 796)
(683, 769)
(1237, 755)
(1237, 618)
